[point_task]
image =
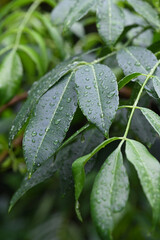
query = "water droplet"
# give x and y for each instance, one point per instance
(34, 134)
(137, 64)
(54, 97)
(88, 87)
(102, 115)
(68, 100)
(38, 164)
(33, 141)
(101, 73)
(61, 108)
(148, 68)
(57, 121)
(87, 79)
(55, 142)
(40, 134)
(51, 104)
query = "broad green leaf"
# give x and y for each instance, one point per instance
(97, 94)
(132, 18)
(110, 21)
(78, 171)
(109, 194)
(61, 11)
(78, 10)
(127, 79)
(40, 41)
(34, 57)
(146, 11)
(10, 76)
(44, 172)
(139, 60)
(49, 123)
(83, 144)
(148, 169)
(37, 90)
(152, 118)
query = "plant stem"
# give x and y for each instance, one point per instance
(24, 22)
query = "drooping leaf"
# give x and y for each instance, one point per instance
(139, 60)
(127, 79)
(152, 118)
(156, 84)
(110, 21)
(146, 11)
(49, 122)
(109, 193)
(37, 90)
(83, 144)
(148, 169)
(44, 172)
(78, 171)
(78, 10)
(97, 94)
(34, 57)
(10, 76)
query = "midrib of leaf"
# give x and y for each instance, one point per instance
(135, 59)
(109, 19)
(113, 180)
(135, 150)
(53, 114)
(99, 98)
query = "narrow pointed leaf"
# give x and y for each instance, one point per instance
(153, 118)
(50, 122)
(146, 11)
(10, 76)
(37, 90)
(148, 169)
(139, 60)
(127, 79)
(109, 193)
(110, 21)
(156, 84)
(97, 94)
(78, 171)
(43, 172)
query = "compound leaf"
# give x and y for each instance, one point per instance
(50, 120)
(109, 193)
(110, 21)
(148, 169)
(97, 94)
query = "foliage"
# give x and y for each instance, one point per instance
(77, 108)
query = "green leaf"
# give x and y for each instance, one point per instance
(146, 11)
(34, 57)
(110, 21)
(127, 79)
(50, 120)
(148, 169)
(156, 84)
(10, 76)
(109, 194)
(152, 118)
(78, 10)
(37, 90)
(44, 172)
(97, 94)
(83, 144)
(40, 41)
(139, 60)
(79, 172)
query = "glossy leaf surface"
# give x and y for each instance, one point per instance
(50, 122)
(148, 169)
(127, 79)
(109, 193)
(10, 76)
(37, 90)
(97, 94)
(110, 21)
(138, 60)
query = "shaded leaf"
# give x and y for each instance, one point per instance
(148, 169)
(44, 172)
(97, 94)
(139, 60)
(146, 11)
(109, 193)
(37, 90)
(110, 21)
(50, 122)
(10, 76)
